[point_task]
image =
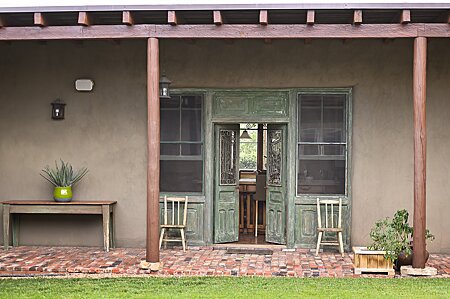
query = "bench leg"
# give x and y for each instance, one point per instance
(6, 218)
(15, 229)
(111, 231)
(106, 226)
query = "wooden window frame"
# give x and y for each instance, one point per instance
(348, 126)
(200, 157)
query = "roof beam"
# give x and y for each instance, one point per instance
(84, 18)
(127, 18)
(263, 17)
(228, 31)
(405, 17)
(217, 17)
(39, 19)
(172, 18)
(357, 17)
(310, 16)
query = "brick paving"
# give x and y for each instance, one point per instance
(197, 261)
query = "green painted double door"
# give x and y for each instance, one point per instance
(226, 183)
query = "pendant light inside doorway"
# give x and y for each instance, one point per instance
(245, 134)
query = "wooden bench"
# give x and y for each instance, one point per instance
(104, 208)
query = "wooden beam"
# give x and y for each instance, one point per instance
(260, 148)
(405, 17)
(127, 18)
(229, 31)
(357, 17)
(217, 17)
(310, 16)
(263, 17)
(153, 152)
(39, 19)
(172, 18)
(420, 150)
(84, 18)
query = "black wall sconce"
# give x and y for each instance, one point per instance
(164, 92)
(58, 110)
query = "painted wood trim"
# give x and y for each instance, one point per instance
(84, 18)
(127, 18)
(310, 16)
(153, 150)
(172, 18)
(405, 16)
(226, 31)
(39, 19)
(263, 17)
(357, 17)
(46, 209)
(291, 171)
(217, 17)
(209, 170)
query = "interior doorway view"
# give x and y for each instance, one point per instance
(250, 183)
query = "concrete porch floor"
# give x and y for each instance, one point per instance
(196, 261)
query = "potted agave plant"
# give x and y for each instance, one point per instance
(63, 177)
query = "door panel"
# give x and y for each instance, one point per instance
(226, 194)
(276, 184)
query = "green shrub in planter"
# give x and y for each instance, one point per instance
(394, 236)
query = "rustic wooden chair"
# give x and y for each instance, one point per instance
(176, 205)
(330, 224)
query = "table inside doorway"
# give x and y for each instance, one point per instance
(13, 208)
(247, 188)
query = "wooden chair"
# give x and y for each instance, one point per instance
(330, 224)
(173, 222)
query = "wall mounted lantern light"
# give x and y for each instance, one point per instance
(58, 109)
(164, 92)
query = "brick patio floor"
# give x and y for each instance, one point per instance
(197, 261)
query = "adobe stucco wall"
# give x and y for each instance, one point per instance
(105, 129)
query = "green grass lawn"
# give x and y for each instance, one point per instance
(228, 287)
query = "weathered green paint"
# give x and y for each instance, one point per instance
(306, 226)
(195, 221)
(226, 195)
(299, 214)
(276, 193)
(250, 105)
(305, 209)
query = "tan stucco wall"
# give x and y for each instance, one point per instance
(105, 130)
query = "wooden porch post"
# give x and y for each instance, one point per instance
(420, 153)
(153, 129)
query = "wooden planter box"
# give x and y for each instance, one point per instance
(371, 261)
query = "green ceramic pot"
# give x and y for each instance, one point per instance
(62, 194)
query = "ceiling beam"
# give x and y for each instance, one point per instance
(310, 16)
(84, 18)
(357, 17)
(263, 17)
(127, 18)
(405, 17)
(217, 17)
(172, 18)
(228, 31)
(39, 19)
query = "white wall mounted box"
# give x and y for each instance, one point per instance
(84, 84)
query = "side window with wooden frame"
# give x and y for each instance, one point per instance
(182, 144)
(322, 141)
